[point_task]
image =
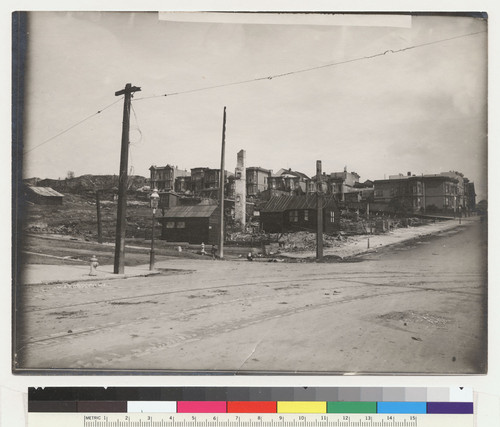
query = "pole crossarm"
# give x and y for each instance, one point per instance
(128, 90)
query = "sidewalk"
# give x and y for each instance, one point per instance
(356, 245)
(34, 274)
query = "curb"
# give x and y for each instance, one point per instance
(93, 279)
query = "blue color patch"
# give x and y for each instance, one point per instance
(401, 407)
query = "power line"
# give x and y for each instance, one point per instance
(137, 127)
(304, 70)
(71, 127)
(270, 77)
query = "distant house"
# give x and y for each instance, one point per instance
(198, 179)
(257, 180)
(400, 193)
(43, 196)
(444, 193)
(339, 184)
(205, 182)
(299, 213)
(292, 182)
(182, 184)
(192, 224)
(342, 183)
(163, 177)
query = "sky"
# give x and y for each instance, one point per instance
(420, 110)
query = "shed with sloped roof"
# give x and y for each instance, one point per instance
(299, 213)
(43, 195)
(192, 224)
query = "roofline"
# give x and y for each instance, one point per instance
(416, 178)
(258, 168)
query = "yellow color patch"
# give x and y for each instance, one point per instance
(301, 407)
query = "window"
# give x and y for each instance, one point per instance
(170, 224)
(379, 193)
(332, 216)
(181, 224)
(306, 215)
(293, 216)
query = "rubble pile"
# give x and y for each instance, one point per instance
(304, 240)
(68, 229)
(351, 226)
(239, 237)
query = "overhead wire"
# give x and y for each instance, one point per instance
(72, 126)
(269, 77)
(133, 144)
(304, 70)
(137, 127)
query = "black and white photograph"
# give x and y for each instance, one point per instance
(250, 193)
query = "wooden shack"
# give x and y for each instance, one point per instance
(43, 195)
(283, 214)
(192, 224)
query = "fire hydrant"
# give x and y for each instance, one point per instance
(93, 266)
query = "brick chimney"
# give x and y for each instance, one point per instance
(240, 193)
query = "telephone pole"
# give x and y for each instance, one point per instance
(99, 219)
(319, 208)
(221, 188)
(121, 220)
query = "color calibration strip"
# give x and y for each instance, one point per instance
(347, 400)
(207, 407)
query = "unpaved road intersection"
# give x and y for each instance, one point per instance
(414, 308)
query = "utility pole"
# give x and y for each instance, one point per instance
(99, 220)
(121, 220)
(368, 216)
(319, 208)
(221, 188)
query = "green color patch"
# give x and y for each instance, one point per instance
(351, 407)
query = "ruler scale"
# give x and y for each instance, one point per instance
(348, 407)
(339, 420)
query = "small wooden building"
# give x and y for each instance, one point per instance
(43, 195)
(168, 199)
(283, 214)
(192, 224)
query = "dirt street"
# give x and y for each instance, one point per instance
(413, 308)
